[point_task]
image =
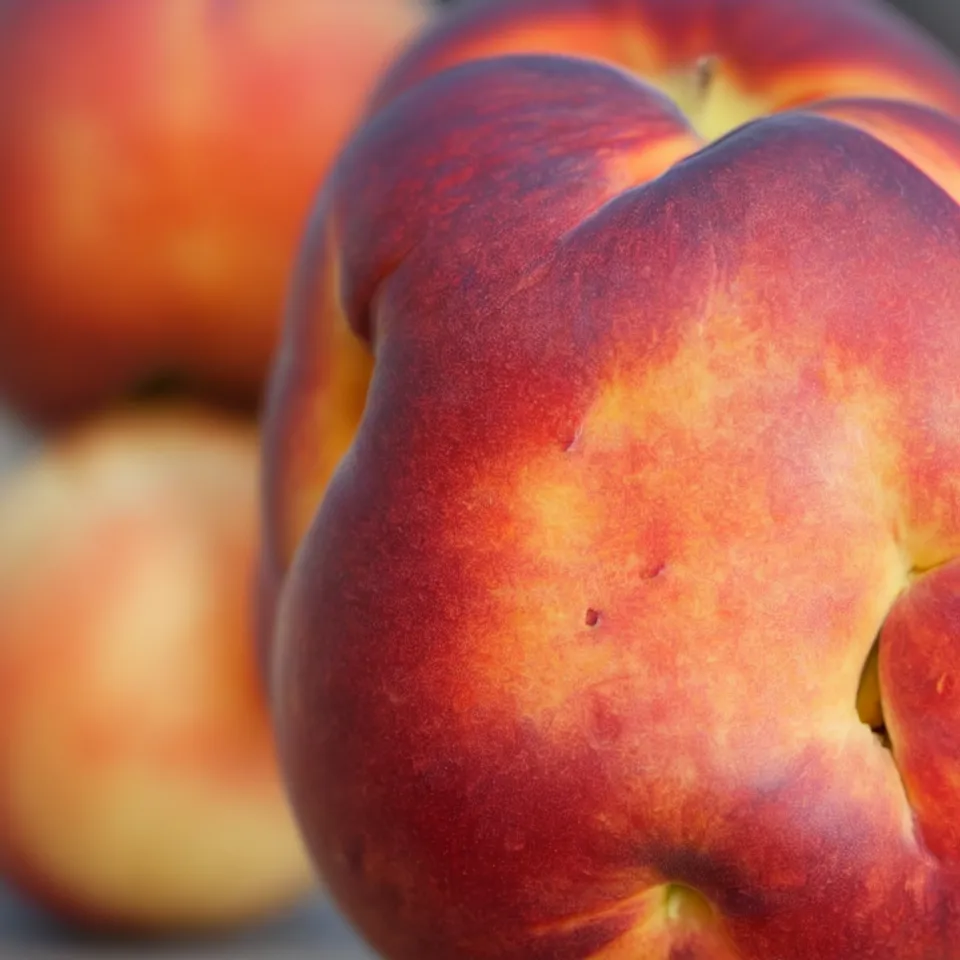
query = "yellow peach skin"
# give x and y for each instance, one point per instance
(606, 435)
(138, 780)
(157, 159)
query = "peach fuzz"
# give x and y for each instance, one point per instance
(157, 161)
(139, 790)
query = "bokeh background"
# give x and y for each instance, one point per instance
(313, 929)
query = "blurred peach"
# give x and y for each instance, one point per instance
(156, 161)
(138, 781)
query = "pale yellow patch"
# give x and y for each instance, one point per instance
(683, 904)
(147, 639)
(569, 563)
(561, 512)
(706, 90)
(130, 677)
(716, 101)
(875, 425)
(711, 98)
(685, 393)
(580, 538)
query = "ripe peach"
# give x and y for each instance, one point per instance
(138, 778)
(157, 159)
(607, 433)
(722, 61)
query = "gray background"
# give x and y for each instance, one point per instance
(314, 930)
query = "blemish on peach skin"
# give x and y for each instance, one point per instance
(745, 499)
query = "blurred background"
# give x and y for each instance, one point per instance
(940, 17)
(52, 592)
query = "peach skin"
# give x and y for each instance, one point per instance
(139, 789)
(157, 160)
(722, 62)
(612, 506)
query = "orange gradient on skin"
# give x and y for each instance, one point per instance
(157, 160)
(660, 431)
(138, 779)
(723, 62)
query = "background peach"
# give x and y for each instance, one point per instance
(138, 782)
(157, 159)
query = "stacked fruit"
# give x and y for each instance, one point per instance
(605, 565)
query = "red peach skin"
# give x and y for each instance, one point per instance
(722, 61)
(598, 456)
(157, 160)
(138, 781)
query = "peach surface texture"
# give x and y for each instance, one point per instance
(609, 579)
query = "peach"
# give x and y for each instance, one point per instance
(139, 787)
(607, 432)
(722, 62)
(157, 159)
